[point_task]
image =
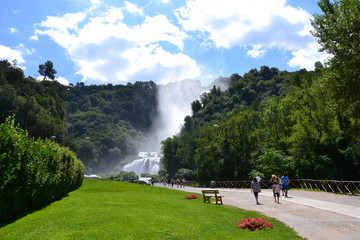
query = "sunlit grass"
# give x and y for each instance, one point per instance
(104, 209)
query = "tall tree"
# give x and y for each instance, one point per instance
(47, 70)
(338, 32)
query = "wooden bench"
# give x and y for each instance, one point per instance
(208, 194)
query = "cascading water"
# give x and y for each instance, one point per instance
(175, 100)
(148, 162)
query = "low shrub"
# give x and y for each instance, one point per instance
(122, 176)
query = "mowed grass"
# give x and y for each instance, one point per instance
(104, 209)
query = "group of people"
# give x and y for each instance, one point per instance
(277, 183)
(180, 182)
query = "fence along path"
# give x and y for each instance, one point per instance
(332, 186)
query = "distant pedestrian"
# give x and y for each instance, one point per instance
(285, 181)
(152, 181)
(276, 187)
(273, 179)
(255, 188)
(183, 181)
(172, 181)
(178, 182)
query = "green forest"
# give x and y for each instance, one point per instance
(102, 124)
(304, 123)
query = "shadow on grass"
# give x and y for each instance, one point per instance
(13, 218)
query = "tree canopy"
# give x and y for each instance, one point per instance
(47, 70)
(337, 30)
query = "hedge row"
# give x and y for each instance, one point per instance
(33, 172)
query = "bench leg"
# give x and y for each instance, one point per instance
(207, 199)
(219, 199)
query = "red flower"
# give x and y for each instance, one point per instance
(191, 196)
(254, 224)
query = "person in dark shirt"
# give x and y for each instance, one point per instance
(255, 188)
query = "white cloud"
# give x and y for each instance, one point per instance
(153, 61)
(96, 2)
(304, 58)
(106, 49)
(237, 22)
(13, 30)
(269, 23)
(62, 80)
(133, 8)
(62, 30)
(256, 52)
(10, 54)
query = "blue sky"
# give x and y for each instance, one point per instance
(112, 41)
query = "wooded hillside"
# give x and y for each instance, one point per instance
(107, 123)
(271, 122)
(305, 123)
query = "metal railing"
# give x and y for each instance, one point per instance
(333, 186)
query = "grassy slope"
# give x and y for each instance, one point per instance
(103, 209)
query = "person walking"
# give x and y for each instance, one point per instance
(285, 181)
(275, 185)
(276, 190)
(255, 188)
(183, 182)
(272, 179)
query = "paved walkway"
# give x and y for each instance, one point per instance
(313, 215)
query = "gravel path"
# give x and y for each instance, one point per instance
(302, 211)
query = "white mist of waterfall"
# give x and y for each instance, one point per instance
(174, 104)
(148, 162)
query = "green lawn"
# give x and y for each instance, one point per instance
(104, 209)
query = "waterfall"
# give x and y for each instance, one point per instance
(174, 100)
(148, 162)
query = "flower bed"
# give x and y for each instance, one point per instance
(254, 224)
(191, 196)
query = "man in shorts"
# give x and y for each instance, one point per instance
(285, 181)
